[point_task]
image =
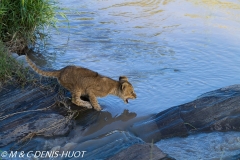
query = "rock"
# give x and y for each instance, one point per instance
(14, 55)
(69, 146)
(44, 125)
(56, 148)
(202, 146)
(141, 152)
(107, 145)
(20, 119)
(22, 60)
(218, 110)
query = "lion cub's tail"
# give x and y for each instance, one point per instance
(41, 72)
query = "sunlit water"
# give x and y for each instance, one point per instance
(172, 51)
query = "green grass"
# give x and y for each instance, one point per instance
(23, 21)
(10, 69)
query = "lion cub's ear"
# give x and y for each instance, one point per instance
(124, 85)
(123, 78)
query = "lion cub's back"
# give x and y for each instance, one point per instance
(74, 75)
(76, 72)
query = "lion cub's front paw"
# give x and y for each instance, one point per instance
(87, 105)
(97, 108)
(83, 104)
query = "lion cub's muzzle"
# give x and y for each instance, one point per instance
(133, 96)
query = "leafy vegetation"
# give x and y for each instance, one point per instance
(23, 21)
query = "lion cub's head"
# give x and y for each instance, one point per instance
(126, 89)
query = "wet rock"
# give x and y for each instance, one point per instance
(69, 146)
(22, 60)
(203, 146)
(141, 152)
(47, 125)
(56, 148)
(30, 112)
(218, 110)
(234, 157)
(14, 55)
(107, 145)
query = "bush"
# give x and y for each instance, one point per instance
(22, 21)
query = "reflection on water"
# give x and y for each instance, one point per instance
(172, 51)
(94, 130)
(107, 121)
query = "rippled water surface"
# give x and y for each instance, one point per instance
(171, 50)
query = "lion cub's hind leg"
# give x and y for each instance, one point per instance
(76, 100)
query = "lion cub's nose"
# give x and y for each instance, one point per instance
(134, 95)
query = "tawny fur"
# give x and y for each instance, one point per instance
(84, 82)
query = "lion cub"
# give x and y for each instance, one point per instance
(84, 82)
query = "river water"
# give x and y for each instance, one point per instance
(171, 51)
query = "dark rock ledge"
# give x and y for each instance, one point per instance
(217, 110)
(31, 111)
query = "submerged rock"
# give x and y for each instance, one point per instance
(141, 152)
(107, 145)
(209, 146)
